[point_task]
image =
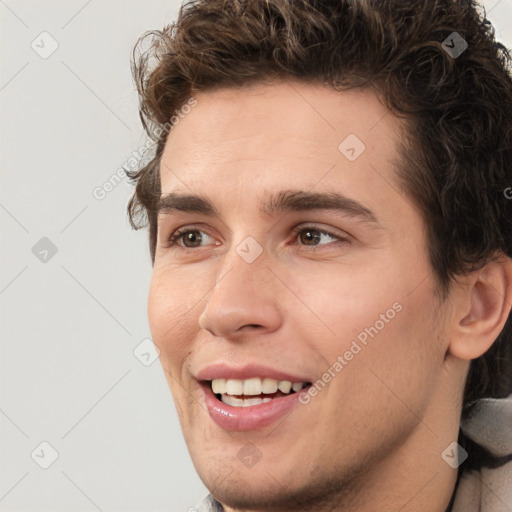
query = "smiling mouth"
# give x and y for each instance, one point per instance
(254, 391)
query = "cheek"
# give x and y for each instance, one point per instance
(385, 360)
(381, 308)
(345, 300)
(174, 304)
(397, 352)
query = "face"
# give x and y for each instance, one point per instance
(300, 264)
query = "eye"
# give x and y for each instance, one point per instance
(313, 236)
(309, 236)
(188, 238)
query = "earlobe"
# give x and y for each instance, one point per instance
(485, 305)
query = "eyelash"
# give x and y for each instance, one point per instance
(173, 239)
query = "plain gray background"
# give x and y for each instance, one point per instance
(72, 319)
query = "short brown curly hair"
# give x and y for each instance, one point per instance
(457, 153)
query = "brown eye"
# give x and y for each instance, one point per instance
(188, 238)
(309, 237)
(313, 237)
(191, 238)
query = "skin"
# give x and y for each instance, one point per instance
(373, 438)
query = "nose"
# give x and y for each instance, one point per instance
(243, 299)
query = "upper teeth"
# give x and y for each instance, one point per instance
(254, 386)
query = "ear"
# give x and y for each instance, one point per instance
(481, 309)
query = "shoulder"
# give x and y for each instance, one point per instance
(486, 485)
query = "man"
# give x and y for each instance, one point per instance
(331, 238)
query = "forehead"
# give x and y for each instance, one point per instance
(282, 135)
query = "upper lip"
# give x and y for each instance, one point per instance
(247, 371)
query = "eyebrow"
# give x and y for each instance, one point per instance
(282, 202)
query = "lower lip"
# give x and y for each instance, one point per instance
(248, 418)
